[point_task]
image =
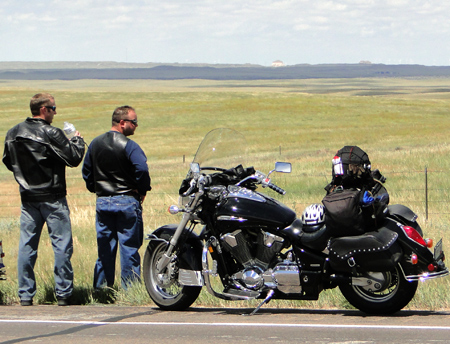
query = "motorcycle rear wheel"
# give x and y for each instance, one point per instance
(163, 288)
(395, 295)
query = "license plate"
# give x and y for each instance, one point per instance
(438, 250)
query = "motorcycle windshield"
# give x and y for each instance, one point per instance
(222, 148)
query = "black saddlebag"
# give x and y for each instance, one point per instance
(372, 251)
(343, 214)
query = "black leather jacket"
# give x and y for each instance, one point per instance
(108, 170)
(38, 153)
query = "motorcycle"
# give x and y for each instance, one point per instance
(251, 246)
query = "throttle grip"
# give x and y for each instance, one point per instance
(276, 188)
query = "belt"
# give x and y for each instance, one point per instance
(129, 193)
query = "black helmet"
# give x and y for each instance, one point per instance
(350, 164)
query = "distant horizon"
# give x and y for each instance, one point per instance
(362, 62)
(72, 70)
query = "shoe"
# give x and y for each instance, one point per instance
(26, 302)
(63, 302)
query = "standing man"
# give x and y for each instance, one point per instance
(38, 153)
(115, 168)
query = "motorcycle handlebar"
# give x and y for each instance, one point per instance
(276, 188)
(192, 186)
(199, 182)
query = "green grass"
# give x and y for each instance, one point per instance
(403, 124)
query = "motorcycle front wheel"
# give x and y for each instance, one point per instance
(395, 294)
(163, 288)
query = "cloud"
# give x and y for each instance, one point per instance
(233, 31)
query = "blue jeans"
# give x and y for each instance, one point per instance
(118, 220)
(33, 216)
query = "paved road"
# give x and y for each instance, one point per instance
(117, 324)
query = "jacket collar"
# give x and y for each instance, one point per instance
(37, 119)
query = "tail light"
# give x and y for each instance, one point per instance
(414, 235)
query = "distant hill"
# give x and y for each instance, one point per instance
(115, 70)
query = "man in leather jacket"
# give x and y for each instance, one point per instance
(115, 168)
(38, 153)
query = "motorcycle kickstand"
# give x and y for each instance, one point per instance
(266, 300)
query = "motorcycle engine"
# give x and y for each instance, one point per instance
(255, 259)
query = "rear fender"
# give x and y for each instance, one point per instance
(189, 255)
(402, 211)
(404, 215)
(410, 246)
(426, 259)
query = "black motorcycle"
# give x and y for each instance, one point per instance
(251, 246)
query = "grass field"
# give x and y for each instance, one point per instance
(403, 124)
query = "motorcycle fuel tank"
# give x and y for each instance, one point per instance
(242, 208)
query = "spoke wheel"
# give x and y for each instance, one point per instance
(163, 288)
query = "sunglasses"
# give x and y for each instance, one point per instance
(51, 107)
(134, 121)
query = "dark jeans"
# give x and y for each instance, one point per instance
(119, 220)
(32, 219)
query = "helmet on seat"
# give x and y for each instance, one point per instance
(313, 217)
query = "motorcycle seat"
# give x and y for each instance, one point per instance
(316, 239)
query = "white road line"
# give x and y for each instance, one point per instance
(100, 323)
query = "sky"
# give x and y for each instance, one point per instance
(227, 31)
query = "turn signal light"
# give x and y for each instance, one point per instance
(429, 243)
(414, 259)
(173, 209)
(431, 267)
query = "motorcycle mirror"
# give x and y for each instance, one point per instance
(284, 167)
(195, 167)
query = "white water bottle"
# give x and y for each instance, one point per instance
(69, 129)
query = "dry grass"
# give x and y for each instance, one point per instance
(401, 123)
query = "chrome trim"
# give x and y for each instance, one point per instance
(230, 218)
(190, 278)
(373, 281)
(427, 275)
(240, 192)
(206, 273)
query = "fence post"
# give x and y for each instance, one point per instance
(426, 193)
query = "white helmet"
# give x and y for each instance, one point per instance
(313, 215)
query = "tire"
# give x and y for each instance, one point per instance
(395, 294)
(164, 289)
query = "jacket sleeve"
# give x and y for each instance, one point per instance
(6, 158)
(87, 172)
(71, 151)
(139, 161)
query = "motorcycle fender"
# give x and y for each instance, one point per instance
(190, 256)
(402, 211)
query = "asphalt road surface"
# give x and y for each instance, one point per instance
(118, 324)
